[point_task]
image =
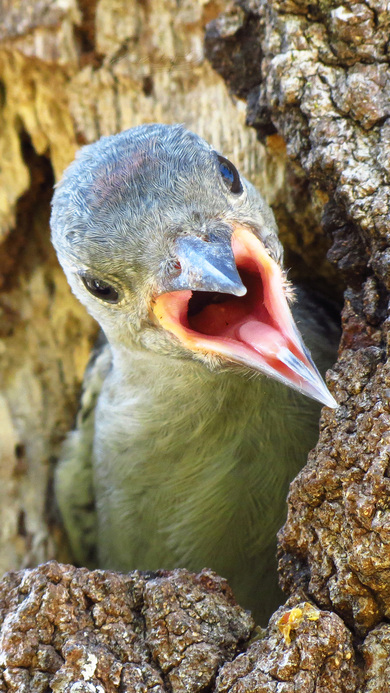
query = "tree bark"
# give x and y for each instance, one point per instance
(70, 630)
(324, 87)
(315, 79)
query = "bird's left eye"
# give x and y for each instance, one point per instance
(100, 289)
(230, 175)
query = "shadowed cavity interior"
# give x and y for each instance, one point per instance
(221, 315)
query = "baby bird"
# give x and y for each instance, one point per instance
(193, 418)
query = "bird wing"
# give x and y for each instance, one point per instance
(74, 473)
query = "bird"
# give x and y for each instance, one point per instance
(201, 399)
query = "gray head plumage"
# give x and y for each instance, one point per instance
(140, 182)
(170, 249)
(125, 200)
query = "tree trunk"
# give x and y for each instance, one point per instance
(315, 78)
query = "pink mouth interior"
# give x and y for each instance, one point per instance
(240, 319)
(221, 315)
(256, 330)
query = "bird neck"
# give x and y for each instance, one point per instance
(208, 455)
(184, 384)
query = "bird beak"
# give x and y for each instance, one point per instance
(229, 300)
(206, 266)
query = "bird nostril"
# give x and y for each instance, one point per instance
(176, 267)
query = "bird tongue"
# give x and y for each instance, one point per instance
(232, 321)
(256, 329)
(263, 338)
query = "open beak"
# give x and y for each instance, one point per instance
(230, 301)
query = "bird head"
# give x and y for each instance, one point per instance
(171, 250)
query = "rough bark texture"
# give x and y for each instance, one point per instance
(323, 85)
(64, 629)
(320, 656)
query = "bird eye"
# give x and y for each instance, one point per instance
(100, 289)
(230, 175)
